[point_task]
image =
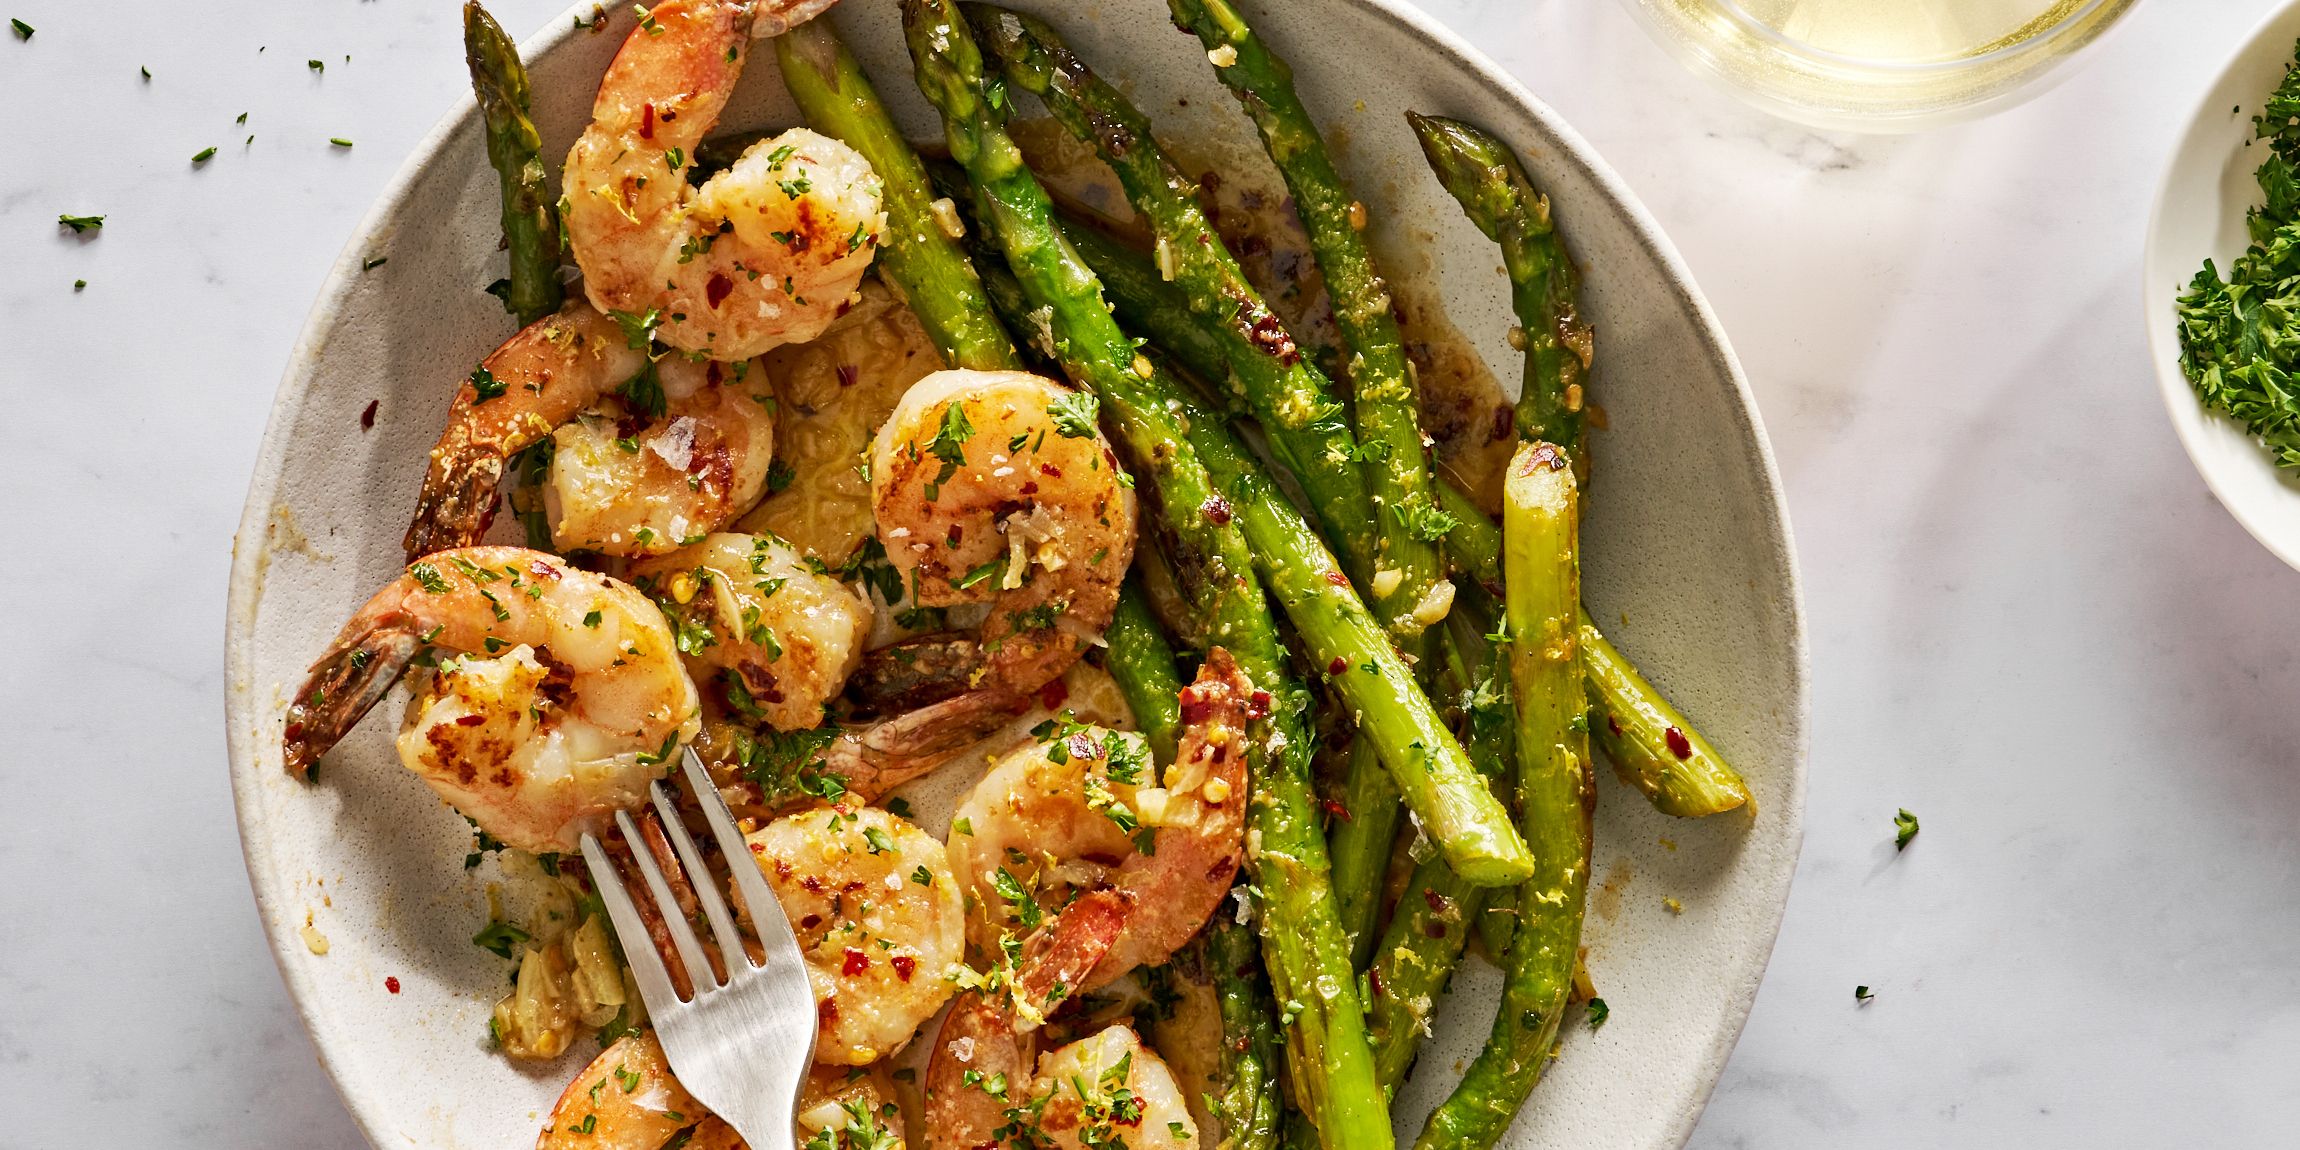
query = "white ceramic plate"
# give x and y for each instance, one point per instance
(1689, 564)
(2200, 208)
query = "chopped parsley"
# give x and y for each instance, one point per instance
(204, 155)
(638, 326)
(1074, 414)
(339, 141)
(499, 937)
(486, 386)
(1861, 995)
(644, 392)
(429, 578)
(1017, 896)
(1598, 1013)
(81, 225)
(1904, 829)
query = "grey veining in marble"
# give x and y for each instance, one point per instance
(2030, 624)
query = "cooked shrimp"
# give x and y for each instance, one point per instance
(748, 605)
(986, 1051)
(1109, 1090)
(1078, 811)
(994, 487)
(645, 472)
(683, 451)
(557, 698)
(879, 917)
(628, 1099)
(765, 253)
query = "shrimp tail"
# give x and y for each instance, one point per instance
(915, 673)
(351, 678)
(457, 502)
(881, 757)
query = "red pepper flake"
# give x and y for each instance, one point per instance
(904, 966)
(1338, 666)
(1374, 979)
(1336, 809)
(1338, 579)
(856, 963)
(716, 288)
(1678, 744)
(391, 984)
(1196, 704)
(1434, 930)
(1614, 725)
(1216, 510)
(367, 417)
(828, 1011)
(475, 720)
(810, 922)
(1258, 705)
(1030, 487)
(1084, 747)
(1437, 902)
(1050, 470)
(711, 373)
(849, 374)
(1053, 695)
(646, 121)
(957, 532)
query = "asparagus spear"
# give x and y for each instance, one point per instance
(1464, 819)
(1485, 176)
(1327, 1057)
(1650, 743)
(1141, 661)
(1388, 422)
(1249, 1106)
(1293, 400)
(1554, 793)
(530, 215)
(1426, 935)
(920, 256)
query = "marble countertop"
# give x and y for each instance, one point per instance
(2030, 623)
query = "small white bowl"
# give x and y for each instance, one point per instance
(2208, 187)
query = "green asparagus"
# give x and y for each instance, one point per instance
(1141, 661)
(1328, 1061)
(1650, 743)
(1485, 176)
(530, 215)
(1294, 402)
(1248, 1106)
(920, 256)
(1445, 791)
(1554, 794)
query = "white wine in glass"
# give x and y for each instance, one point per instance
(1878, 65)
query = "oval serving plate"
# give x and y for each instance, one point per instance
(1689, 564)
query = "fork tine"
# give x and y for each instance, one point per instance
(682, 935)
(646, 966)
(700, 878)
(774, 930)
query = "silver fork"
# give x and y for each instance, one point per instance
(741, 1046)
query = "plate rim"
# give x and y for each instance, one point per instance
(2190, 420)
(250, 552)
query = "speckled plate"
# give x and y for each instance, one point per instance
(1689, 565)
(2207, 189)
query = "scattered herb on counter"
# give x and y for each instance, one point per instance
(81, 225)
(338, 141)
(23, 30)
(1861, 995)
(315, 65)
(146, 71)
(1598, 1013)
(1904, 829)
(79, 285)
(204, 155)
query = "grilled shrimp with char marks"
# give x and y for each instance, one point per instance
(557, 697)
(995, 487)
(765, 253)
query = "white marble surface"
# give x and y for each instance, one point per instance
(2030, 623)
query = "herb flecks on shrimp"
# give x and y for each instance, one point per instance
(765, 253)
(995, 487)
(556, 694)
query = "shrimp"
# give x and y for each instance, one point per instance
(558, 700)
(1108, 1090)
(994, 487)
(1077, 811)
(879, 917)
(683, 450)
(628, 1099)
(747, 605)
(766, 253)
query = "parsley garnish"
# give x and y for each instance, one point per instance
(638, 327)
(429, 578)
(1011, 889)
(1598, 1013)
(1904, 829)
(484, 383)
(644, 392)
(1074, 414)
(499, 937)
